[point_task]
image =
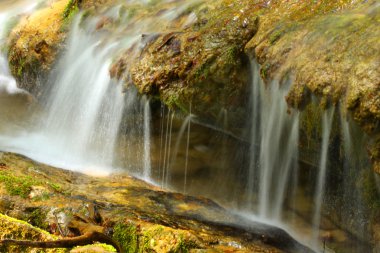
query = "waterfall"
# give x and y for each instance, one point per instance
(278, 150)
(257, 86)
(167, 149)
(319, 191)
(90, 123)
(84, 110)
(274, 146)
(173, 159)
(7, 82)
(79, 128)
(187, 152)
(147, 136)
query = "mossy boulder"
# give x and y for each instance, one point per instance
(35, 42)
(11, 228)
(200, 67)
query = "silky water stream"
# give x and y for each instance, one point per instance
(87, 123)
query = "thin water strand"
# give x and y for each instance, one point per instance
(327, 119)
(274, 162)
(147, 139)
(187, 152)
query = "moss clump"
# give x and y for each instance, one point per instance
(56, 187)
(17, 185)
(183, 247)
(204, 69)
(94, 248)
(71, 9)
(126, 236)
(147, 241)
(21, 230)
(38, 218)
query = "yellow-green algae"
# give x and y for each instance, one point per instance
(126, 236)
(17, 185)
(94, 248)
(11, 228)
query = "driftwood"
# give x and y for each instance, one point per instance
(88, 238)
(89, 234)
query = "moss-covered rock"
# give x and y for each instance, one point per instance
(11, 228)
(201, 66)
(34, 43)
(138, 216)
(94, 248)
(38, 38)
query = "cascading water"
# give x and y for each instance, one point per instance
(89, 124)
(274, 146)
(319, 191)
(7, 82)
(80, 127)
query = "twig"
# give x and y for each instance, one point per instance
(85, 239)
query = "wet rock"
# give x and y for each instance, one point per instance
(34, 43)
(135, 214)
(16, 229)
(38, 38)
(201, 66)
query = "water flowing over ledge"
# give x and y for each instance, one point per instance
(289, 167)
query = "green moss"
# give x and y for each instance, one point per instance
(56, 187)
(20, 67)
(38, 218)
(17, 229)
(43, 197)
(264, 70)
(126, 236)
(20, 222)
(203, 71)
(108, 248)
(17, 185)
(71, 9)
(231, 54)
(183, 247)
(147, 240)
(172, 101)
